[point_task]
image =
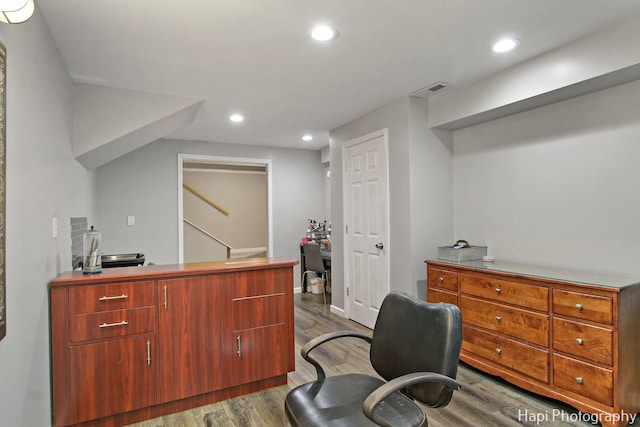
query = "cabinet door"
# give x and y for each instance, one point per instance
(189, 329)
(259, 353)
(111, 377)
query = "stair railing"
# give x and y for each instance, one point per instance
(211, 236)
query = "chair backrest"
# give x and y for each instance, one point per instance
(313, 257)
(412, 335)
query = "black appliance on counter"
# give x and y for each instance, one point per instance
(122, 260)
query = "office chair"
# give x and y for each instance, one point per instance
(314, 264)
(415, 347)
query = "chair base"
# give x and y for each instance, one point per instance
(332, 402)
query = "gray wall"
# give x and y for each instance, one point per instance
(556, 186)
(420, 193)
(145, 184)
(43, 181)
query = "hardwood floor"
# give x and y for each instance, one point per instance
(483, 400)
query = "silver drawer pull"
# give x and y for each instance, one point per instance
(579, 380)
(498, 290)
(498, 351)
(498, 318)
(579, 307)
(111, 325)
(579, 341)
(441, 279)
(106, 298)
(239, 346)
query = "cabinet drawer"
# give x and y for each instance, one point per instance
(514, 355)
(528, 296)
(88, 299)
(253, 312)
(442, 279)
(522, 324)
(436, 295)
(583, 306)
(259, 282)
(583, 378)
(109, 324)
(582, 340)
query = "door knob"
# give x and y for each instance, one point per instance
(380, 246)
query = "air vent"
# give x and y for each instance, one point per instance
(434, 89)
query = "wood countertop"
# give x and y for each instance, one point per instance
(543, 273)
(119, 274)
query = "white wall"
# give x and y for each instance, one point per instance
(43, 182)
(420, 192)
(144, 183)
(557, 186)
(430, 192)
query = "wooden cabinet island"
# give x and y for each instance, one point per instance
(135, 343)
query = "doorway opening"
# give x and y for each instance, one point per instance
(224, 208)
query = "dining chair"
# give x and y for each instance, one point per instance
(315, 264)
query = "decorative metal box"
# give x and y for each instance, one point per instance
(457, 253)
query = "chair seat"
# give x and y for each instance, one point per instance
(337, 401)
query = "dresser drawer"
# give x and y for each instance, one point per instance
(583, 378)
(522, 324)
(436, 295)
(528, 360)
(442, 279)
(109, 324)
(583, 306)
(89, 299)
(528, 296)
(582, 340)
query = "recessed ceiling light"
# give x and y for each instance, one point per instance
(236, 118)
(505, 45)
(307, 138)
(323, 33)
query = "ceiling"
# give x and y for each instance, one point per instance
(255, 56)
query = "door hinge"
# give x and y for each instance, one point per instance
(346, 229)
(347, 291)
(346, 166)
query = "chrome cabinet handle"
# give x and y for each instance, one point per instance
(498, 351)
(239, 346)
(579, 341)
(579, 307)
(498, 318)
(498, 290)
(149, 352)
(111, 325)
(579, 380)
(106, 298)
(165, 296)
(441, 279)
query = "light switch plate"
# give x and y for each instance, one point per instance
(131, 220)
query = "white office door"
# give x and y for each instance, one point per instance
(366, 202)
